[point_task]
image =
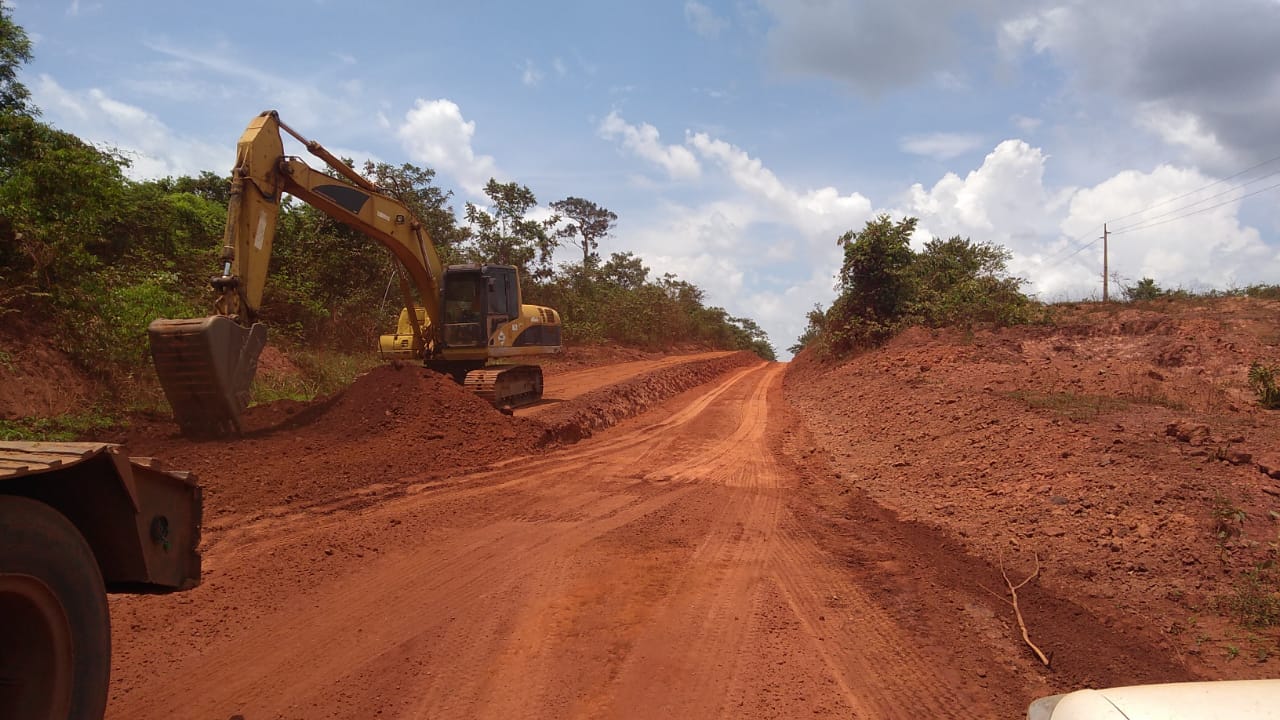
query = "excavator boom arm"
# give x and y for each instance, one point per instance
(206, 365)
(263, 172)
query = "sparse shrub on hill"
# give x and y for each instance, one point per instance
(1144, 289)
(1262, 380)
(1263, 292)
(886, 286)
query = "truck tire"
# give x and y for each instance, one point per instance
(55, 630)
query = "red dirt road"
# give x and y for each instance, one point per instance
(674, 566)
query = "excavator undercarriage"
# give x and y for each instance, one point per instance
(507, 387)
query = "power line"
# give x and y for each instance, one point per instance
(1205, 187)
(1077, 251)
(1198, 202)
(1063, 254)
(1195, 212)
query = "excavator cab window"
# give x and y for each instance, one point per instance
(503, 298)
(464, 309)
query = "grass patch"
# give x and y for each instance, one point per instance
(320, 373)
(63, 428)
(1068, 404)
(1254, 601)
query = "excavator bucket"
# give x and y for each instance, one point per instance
(206, 366)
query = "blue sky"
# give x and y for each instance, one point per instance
(736, 140)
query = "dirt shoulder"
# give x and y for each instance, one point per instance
(1121, 448)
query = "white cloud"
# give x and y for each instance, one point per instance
(703, 20)
(435, 133)
(813, 211)
(1186, 130)
(153, 149)
(530, 76)
(763, 248)
(940, 146)
(558, 65)
(1005, 201)
(1004, 197)
(77, 8)
(875, 46)
(1208, 71)
(644, 142)
(1177, 248)
(952, 81)
(746, 247)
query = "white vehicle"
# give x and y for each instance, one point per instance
(1221, 700)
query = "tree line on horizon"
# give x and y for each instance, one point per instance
(100, 255)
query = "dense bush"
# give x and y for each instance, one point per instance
(885, 286)
(619, 303)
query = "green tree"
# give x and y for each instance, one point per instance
(753, 337)
(625, 270)
(816, 320)
(506, 235)
(327, 280)
(959, 281)
(885, 286)
(590, 223)
(415, 187)
(1145, 289)
(207, 185)
(15, 51)
(875, 284)
(59, 198)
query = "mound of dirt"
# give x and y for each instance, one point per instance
(393, 424)
(396, 424)
(1124, 449)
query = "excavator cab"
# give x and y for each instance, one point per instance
(477, 300)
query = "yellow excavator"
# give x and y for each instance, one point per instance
(468, 321)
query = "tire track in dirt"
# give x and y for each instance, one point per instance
(273, 523)
(466, 566)
(332, 630)
(703, 614)
(665, 568)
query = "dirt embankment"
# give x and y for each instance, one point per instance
(578, 418)
(1123, 448)
(396, 424)
(36, 378)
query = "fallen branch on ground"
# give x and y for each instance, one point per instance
(1013, 593)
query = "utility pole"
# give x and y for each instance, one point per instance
(1104, 261)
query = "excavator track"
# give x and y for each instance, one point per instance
(507, 387)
